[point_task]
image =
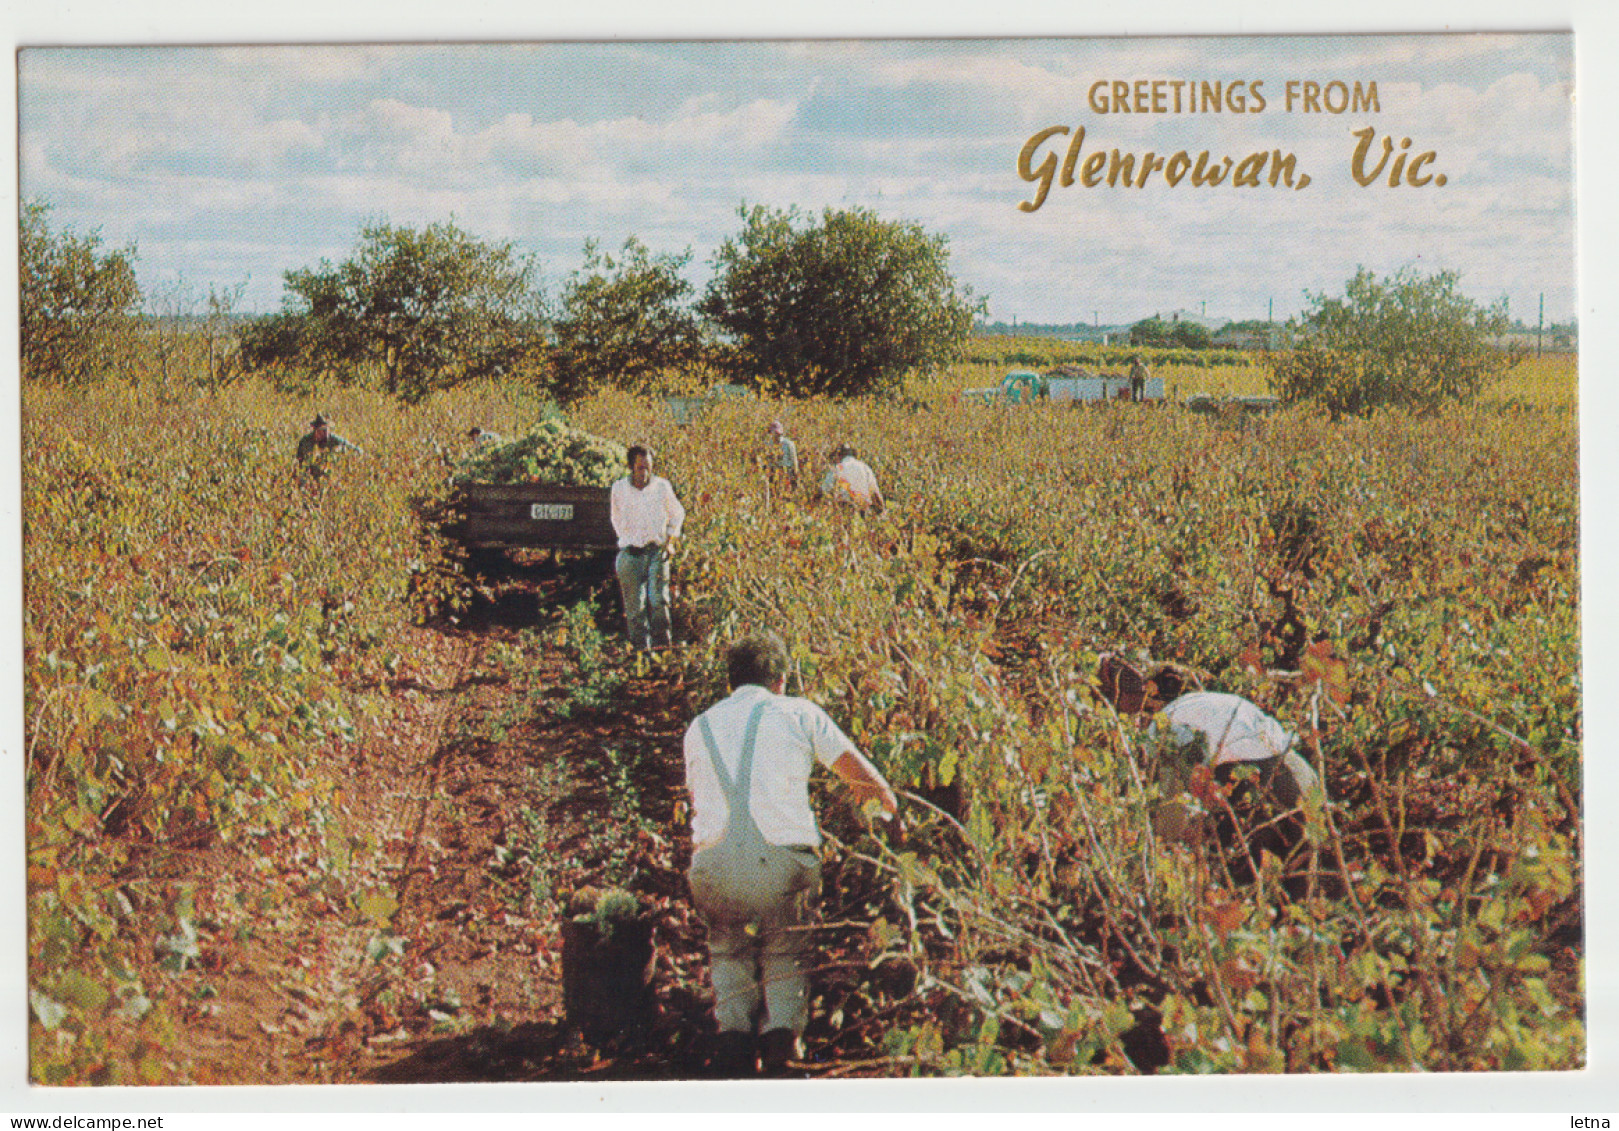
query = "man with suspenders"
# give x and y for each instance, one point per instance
(755, 871)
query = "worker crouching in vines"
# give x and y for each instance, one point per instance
(850, 482)
(1215, 755)
(755, 870)
(319, 443)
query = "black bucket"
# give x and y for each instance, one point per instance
(607, 989)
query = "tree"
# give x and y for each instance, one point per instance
(280, 346)
(78, 305)
(1409, 340)
(1258, 326)
(223, 360)
(1190, 335)
(839, 308)
(624, 322)
(1155, 331)
(1152, 331)
(430, 308)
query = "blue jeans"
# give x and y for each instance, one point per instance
(643, 579)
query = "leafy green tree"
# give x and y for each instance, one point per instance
(1152, 331)
(1248, 326)
(1155, 331)
(1190, 335)
(841, 307)
(1409, 340)
(78, 305)
(280, 346)
(430, 308)
(624, 321)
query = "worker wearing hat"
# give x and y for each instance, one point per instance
(319, 443)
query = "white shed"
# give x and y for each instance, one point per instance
(1106, 387)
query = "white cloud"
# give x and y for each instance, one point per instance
(262, 146)
(425, 141)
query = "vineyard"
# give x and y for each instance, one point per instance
(307, 803)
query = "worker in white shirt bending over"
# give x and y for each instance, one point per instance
(647, 517)
(755, 871)
(1207, 739)
(850, 481)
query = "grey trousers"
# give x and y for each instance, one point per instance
(643, 580)
(759, 957)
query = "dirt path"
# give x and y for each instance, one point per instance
(416, 937)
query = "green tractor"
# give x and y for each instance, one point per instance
(1020, 386)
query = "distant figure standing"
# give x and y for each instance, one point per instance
(647, 517)
(755, 872)
(1138, 378)
(849, 481)
(319, 443)
(783, 462)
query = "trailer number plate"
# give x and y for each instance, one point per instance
(551, 512)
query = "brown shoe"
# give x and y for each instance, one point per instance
(776, 1048)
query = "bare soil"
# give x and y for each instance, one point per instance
(416, 938)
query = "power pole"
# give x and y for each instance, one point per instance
(1540, 325)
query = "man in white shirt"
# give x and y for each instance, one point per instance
(647, 517)
(1209, 738)
(755, 871)
(850, 481)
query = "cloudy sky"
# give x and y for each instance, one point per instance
(228, 165)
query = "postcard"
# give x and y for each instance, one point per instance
(553, 565)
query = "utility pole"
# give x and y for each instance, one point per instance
(1540, 326)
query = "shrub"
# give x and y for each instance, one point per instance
(838, 308)
(1410, 340)
(77, 304)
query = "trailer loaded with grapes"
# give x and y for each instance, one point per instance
(546, 490)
